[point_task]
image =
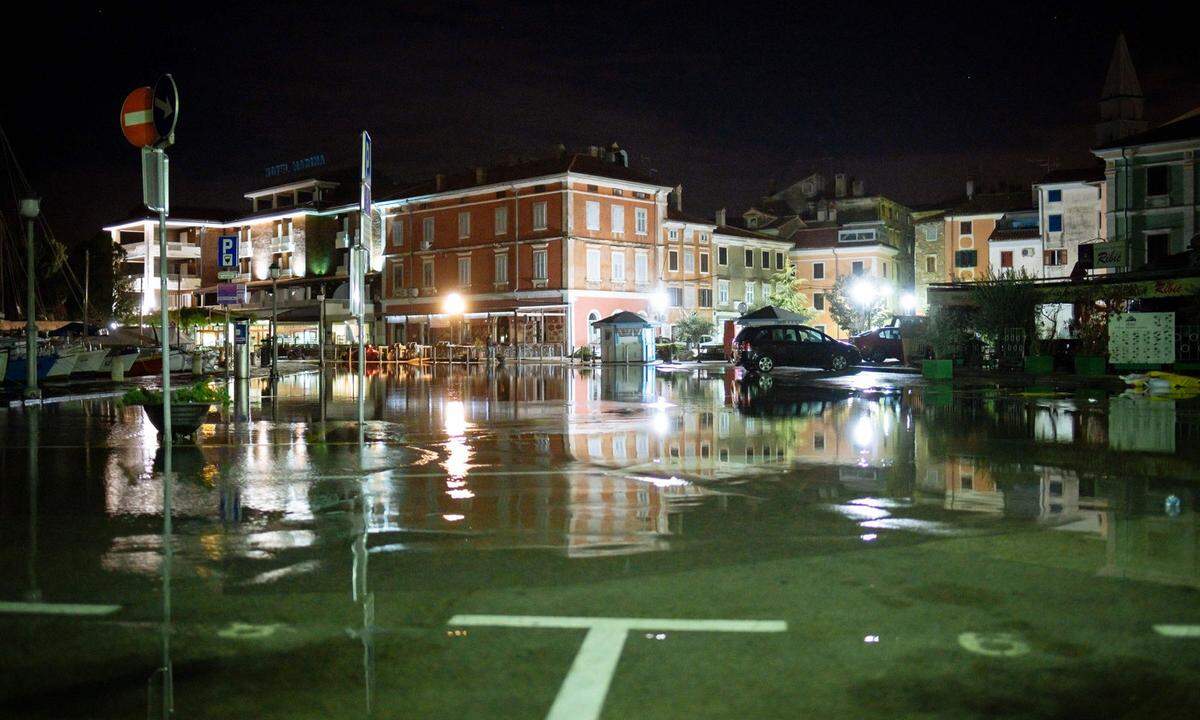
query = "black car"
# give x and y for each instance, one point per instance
(764, 347)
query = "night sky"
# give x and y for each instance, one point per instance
(725, 101)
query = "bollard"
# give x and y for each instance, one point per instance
(118, 368)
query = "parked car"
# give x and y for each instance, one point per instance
(879, 344)
(709, 348)
(765, 347)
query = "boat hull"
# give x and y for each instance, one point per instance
(90, 361)
(16, 368)
(62, 367)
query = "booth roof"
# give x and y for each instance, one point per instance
(623, 318)
(770, 314)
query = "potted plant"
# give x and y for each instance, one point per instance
(189, 405)
(583, 353)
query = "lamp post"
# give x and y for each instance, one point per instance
(454, 305)
(30, 208)
(273, 270)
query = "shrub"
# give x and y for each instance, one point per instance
(199, 392)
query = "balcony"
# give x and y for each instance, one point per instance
(175, 281)
(175, 250)
(283, 244)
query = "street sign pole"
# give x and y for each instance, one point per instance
(360, 273)
(30, 207)
(163, 299)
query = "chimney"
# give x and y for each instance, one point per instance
(721, 217)
(970, 189)
(678, 198)
(439, 182)
(839, 185)
(857, 188)
(480, 175)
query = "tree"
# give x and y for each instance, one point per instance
(783, 291)
(851, 313)
(692, 328)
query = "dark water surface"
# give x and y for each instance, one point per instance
(918, 552)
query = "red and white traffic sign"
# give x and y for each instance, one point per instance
(137, 118)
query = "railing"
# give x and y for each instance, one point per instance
(283, 243)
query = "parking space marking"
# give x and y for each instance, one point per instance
(581, 696)
(1178, 631)
(33, 608)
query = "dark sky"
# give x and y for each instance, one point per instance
(724, 99)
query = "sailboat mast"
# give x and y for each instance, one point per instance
(87, 282)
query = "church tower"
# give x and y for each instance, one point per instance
(1122, 107)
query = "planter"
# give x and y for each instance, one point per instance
(1092, 365)
(185, 416)
(1039, 364)
(937, 369)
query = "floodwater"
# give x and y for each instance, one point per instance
(545, 542)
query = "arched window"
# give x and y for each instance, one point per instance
(593, 331)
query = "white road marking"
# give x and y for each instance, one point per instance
(993, 644)
(581, 696)
(57, 608)
(1178, 631)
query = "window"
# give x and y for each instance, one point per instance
(689, 297)
(1054, 223)
(931, 233)
(766, 260)
(672, 234)
(964, 227)
(931, 263)
(464, 225)
(818, 271)
(641, 220)
(427, 273)
(501, 220)
(778, 261)
(618, 267)
(1054, 196)
(539, 216)
(722, 292)
(675, 297)
(704, 263)
(818, 301)
(427, 230)
(398, 233)
(593, 264)
(1158, 180)
(641, 268)
(501, 268)
(1053, 257)
(856, 236)
(964, 258)
(856, 267)
(673, 261)
(1006, 258)
(689, 261)
(722, 255)
(750, 293)
(464, 272)
(539, 265)
(884, 274)
(618, 219)
(1157, 246)
(593, 215)
(397, 276)
(749, 258)
(783, 335)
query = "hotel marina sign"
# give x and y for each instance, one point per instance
(307, 163)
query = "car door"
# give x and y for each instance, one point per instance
(890, 343)
(810, 348)
(786, 347)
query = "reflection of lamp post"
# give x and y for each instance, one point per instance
(273, 271)
(658, 304)
(454, 305)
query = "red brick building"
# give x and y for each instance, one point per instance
(534, 251)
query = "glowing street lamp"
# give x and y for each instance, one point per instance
(454, 305)
(908, 303)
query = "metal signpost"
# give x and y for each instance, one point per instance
(148, 117)
(358, 270)
(227, 262)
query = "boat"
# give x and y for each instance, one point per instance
(62, 366)
(126, 356)
(87, 361)
(150, 363)
(15, 372)
(3, 362)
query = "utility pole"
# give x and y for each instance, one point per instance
(30, 209)
(87, 284)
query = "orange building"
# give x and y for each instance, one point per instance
(969, 226)
(535, 251)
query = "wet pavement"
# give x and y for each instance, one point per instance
(620, 543)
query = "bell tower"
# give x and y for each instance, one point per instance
(1122, 106)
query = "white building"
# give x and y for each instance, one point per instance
(1071, 213)
(1015, 246)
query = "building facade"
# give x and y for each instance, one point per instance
(929, 254)
(686, 263)
(744, 263)
(522, 254)
(968, 227)
(1070, 214)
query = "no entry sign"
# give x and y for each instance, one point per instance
(137, 118)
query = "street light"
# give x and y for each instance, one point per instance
(273, 271)
(30, 209)
(908, 303)
(863, 292)
(454, 305)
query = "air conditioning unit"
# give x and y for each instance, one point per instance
(1027, 252)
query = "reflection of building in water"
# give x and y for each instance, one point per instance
(584, 516)
(1141, 423)
(1155, 548)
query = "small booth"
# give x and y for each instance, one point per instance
(625, 338)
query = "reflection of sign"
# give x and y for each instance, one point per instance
(1141, 424)
(241, 333)
(1141, 338)
(1108, 255)
(231, 294)
(994, 644)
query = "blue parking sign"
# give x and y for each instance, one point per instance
(227, 252)
(241, 332)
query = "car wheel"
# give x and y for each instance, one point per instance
(838, 363)
(765, 382)
(765, 364)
